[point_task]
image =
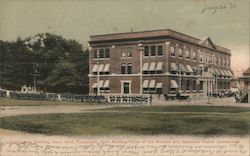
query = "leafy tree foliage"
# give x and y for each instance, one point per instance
(60, 65)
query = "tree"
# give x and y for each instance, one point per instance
(61, 63)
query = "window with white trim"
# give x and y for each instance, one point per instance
(180, 54)
(187, 54)
(172, 51)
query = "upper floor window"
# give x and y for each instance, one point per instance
(201, 58)
(102, 53)
(129, 52)
(206, 58)
(228, 63)
(219, 61)
(126, 52)
(172, 51)
(123, 68)
(180, 52)
(194, 55)
(146, 51)
(107, 53)
(95, 53)
(160, 50)
(210, 59)
(129, 68)
(152, 50)
(215, 60)
(187, 54)
(225, 62)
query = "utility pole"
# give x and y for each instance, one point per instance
(98, 73)
(180, 78)
(35, 74)
(140, 45)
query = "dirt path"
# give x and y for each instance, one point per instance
(23, 110)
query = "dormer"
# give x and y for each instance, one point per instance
(207, 42)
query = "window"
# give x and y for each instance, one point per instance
(194, 55)
(123, 68)
(180, 52)
(210, 59)
(219, 61)
(129, 52)
(225, 62)
(194, 85)
(107, 53)
(228, 62)
(129, 68)
(207, 58)
(123, 52)
(152, 48)
(201, 85)
(201, 58)
(215, 60)
(187, 54)
(126, 52)
(183, 84)
(146, 51)
(159, 49)
(172, 51)
(126, 88)
(188, 85)
(101, 53)
(95, 53)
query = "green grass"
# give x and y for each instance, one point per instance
(189, 108)
(14, 102)
(188, 121)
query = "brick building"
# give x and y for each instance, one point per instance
(157, 62)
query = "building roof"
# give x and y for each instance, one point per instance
(207, 42)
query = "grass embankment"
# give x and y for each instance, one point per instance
(180, 120)
(15, 102)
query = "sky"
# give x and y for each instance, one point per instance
(228, 26)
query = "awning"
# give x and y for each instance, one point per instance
(195, 69)
(230, 73)
(219, 72)
(189, 69)
(145, 67)
(159, 85)
(106, 68)
(152, 66)
(226, 72)
(182, 68)
(173, 67)
(159, 66)
(101, 66)
(145, 84)
(212, 70)
(216, 72)
(106, 84)
(94, 85)
(223, 72)
(173, 84)
(95, 68)
(101, 83)
(152, 84)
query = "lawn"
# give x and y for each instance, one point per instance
(180, 120)
(15, 102)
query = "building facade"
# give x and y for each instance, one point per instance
(157, 62)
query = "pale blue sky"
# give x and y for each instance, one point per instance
(78, 19)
